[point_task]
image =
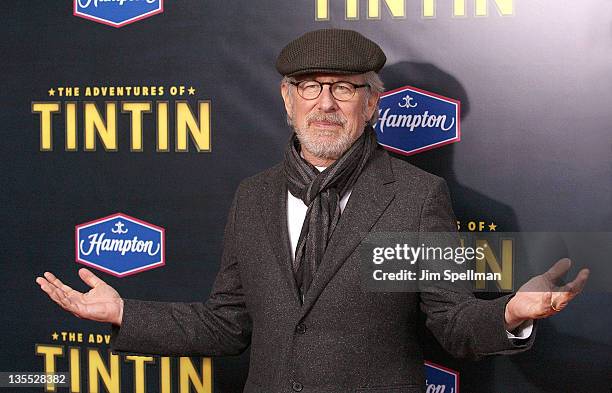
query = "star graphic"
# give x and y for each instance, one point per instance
(51, 92)
(55, 336)
(191, 90)
(492, 227)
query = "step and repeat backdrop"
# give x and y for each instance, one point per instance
(126, 126)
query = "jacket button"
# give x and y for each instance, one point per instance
(297, 386)
(300, 328)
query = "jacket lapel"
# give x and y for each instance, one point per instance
(371, 195)
(274, 216)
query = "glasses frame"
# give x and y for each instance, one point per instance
(331, 90)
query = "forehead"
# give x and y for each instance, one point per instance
(354, 78)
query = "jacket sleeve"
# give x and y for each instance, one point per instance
(464, 325)
(221, 326)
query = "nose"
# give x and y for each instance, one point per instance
(327, 102)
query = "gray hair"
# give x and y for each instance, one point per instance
(374, 84)
(372, 79)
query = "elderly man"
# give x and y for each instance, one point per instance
(289, 282)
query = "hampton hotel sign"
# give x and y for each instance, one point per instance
(412, 120)
(117, 13)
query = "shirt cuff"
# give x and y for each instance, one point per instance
(522, 332)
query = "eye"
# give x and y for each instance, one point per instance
(343, 88)
(309, 86)
(343, 91)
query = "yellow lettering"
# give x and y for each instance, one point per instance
(50, 352)
(162, 126)
(46, 109)
(71, 125)
(75, 370)
(321, 9)
(397, 8)
(459, 8)
(136, 109)
(429, 8)
(352, 9)
(98, 370)
(189, 375)
(504, 7)
(139, 371)
(491, 260)
(199, 132)
(106, 129)
(164, 383)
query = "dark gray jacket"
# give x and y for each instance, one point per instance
(342, 339)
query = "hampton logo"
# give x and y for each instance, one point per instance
(412, 120)
(120, 245)
(117, 13)
(439, 379)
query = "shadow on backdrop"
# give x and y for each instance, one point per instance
(473, 205)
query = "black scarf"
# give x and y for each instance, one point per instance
(321, 192)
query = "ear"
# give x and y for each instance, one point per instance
(372, 104)
(286, 98)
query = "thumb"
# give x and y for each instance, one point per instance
(90, 279)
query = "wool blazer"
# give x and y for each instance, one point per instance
(342, 338)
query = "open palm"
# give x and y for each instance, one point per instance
(540, 297)
(102, 303)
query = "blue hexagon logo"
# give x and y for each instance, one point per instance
(120, 245)
(439, 379)
(412, 120)
(117, 13)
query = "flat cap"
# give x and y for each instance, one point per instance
(333, 51)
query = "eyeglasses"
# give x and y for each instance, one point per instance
(341, 90)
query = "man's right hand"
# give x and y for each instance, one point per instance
(102, 303)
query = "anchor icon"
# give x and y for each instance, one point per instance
(119, 229)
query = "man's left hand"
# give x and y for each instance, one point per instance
(540, 297)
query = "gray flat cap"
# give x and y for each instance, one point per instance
(333, 51)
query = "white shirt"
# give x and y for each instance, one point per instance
(296, 213)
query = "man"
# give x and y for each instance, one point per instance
(289, 282)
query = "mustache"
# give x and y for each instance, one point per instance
(328, 117)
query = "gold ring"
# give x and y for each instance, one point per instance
(552, 305)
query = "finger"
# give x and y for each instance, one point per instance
(572, 289)
(54, 293)
(90, 279)
(558, 269)
(580, 281)
(59, 297)
(50, 279)
(576, 286)
(65, 301)
(547, 304)
(57, 282)
(559, 300)
(48, 288)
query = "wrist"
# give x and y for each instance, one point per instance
(120, 313)
(512, 321)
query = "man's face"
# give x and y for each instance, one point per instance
(325, 126)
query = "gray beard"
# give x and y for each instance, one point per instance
(326, 150)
